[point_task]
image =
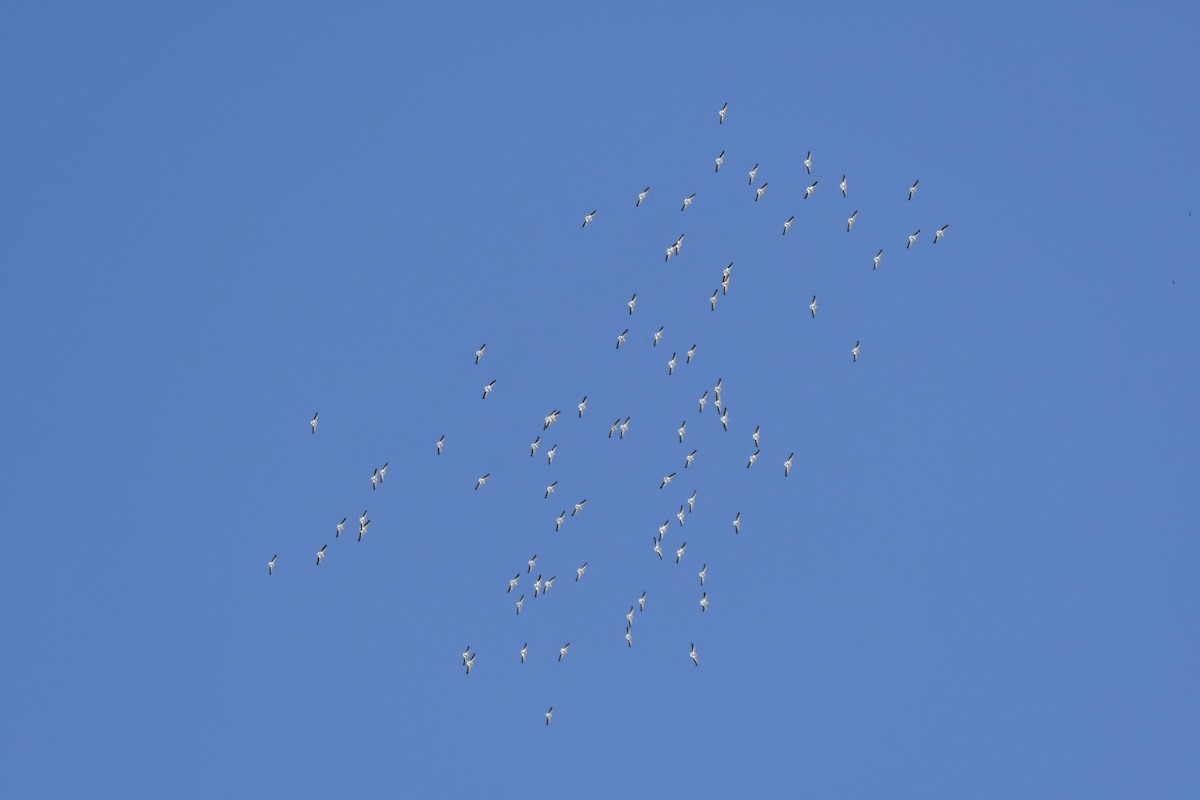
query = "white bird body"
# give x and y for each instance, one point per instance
(687, 201)
(753, 458)
(758, 193)
(812, 188)
(695, 660)
(787, 465)
(939, 233)
(877, 259)
(737, 523)
(912, 239)
(479, 352)
(271, 565)
(913, 189)
(551, 453)
(690, 353)
(621, 338)
(720, 160)
(483, 479)
(320, 554)
(704, 602)
(313, 424)
(671, 365)
(440, 443)
(813, 306)
(703, 574)
(658, 335)
(562, 651)
(559, 522)
(533, 446)
(850, 221)
(842, 186)
(753, 174)
(488, 389)
(808, 162)
(582, 406)
(854, 351)
(632, 303)
(721, 114)
(679, 553)
(642, 196)
(588, 218)
(690, 458)
(788, 224)
(666, 480)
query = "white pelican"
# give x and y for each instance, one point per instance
(340, 527)
(558, 523)
(753, 458)
(548, 584)
(682, 430)
(470, 662)
(703, 574)
(642, 602)
(687, 201)
(621, 338)
(531, 562)
(842, 186)
(533, 446)
(524, 651)
(758, 193)
(703, 400)
(582, 406)
(629, 616)
(550, 453)
(679, 552)
(520, 605)
(658, 334)
(680, 516)
(363, 519)
(482, 480)
(692, 501)
(787, 465)
(662, 529)
(440, 444)
(629, 636)
(725, 284)
(271, 565)
(383, 472)
(788, 224)
(488, 389)
(690, 458)
(757, 434)
(912, 239)
(876, 260)
(720, 161)
(549, 715)
(812, 188)
(589, 218)
(721, 114)
(466, 653)
(512, 583)
(850, 221)
(737, 523)
(753, 174)
(632, 303)
(854, 352)
(695, 660)
(712, 301)
(939, 233)
(562, 651)
(642, 196)
(813, 306)
(678, 244)
(690, 353)
(551, 419)
(725, 418)
(550, 489)
(658, 549)
(320, 554)
(362, 529)
(537, 586)
(808, 162)
(704, 602)
(913, 189)
(666, 480)
(313, 424)
(625, 427)
(671, 364)
(479, 352)
(375, 479)
(613, 429)
(578, 507)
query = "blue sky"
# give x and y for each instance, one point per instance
(978, 580)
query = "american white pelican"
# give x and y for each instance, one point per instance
(813, 306)
(850, 221)
(625, 427)
(854, 351)
(375, 479)
(939, 233)
(704, 602)
(558, 523)
(632, 303)
(842, 186)
(876, 260)
(629, 636)
(695, 660)
(440, 444)
(520, 605)
(271, 565)
(682, 430)
(721, 114)
(690, 353)
(488, 389)
(524, 651)
(582, 406)
(548, 584)
(550, 453)
(479, 352)
(549, 715)
(562, 651)
(512, 583)
(725, 418)
(550, 489)
(912, 239)
(533, 446)
(758, 193)
(679, 553)
(757, 434)
(642, 196)
(753, 174)
(551, 418)
(466, 654)
(613, 429)
(687, 201)
(737, 523)
(720, 160)
(808, 162)
(788, 224)
(658, 549)
(642, 602)
(313, 424)
(579, 507)
(482, 480)
(680, 516)
(666, 480)
(692, 501)
(690, 458)
(662, 529)
(712, 301)
(812, 188)
(340, 527)
(589, 218)
(658, 334)
(913, 189)
(703, 400)
(787, 465)
(320, 554)
(753, 458)
(537, 586)
(671, 364)
(470, 662)
(703, 574)
(621, 338)
(531, 562)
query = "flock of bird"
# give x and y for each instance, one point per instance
(620, 428)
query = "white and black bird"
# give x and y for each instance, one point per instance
(479, 352)
(621, 338)
(513, 581)
(662, 529)
(470, 662)
(913, 189)
(632, 303)
(682, 430)
(690, 458)
(579, 507)
(695, 660)
(375, 479)
(712, 301)
(753, 458)
(616, 424)
(383, 472)
(678, 244)
(690, 353)
(850, 221)
(939, 233)
(787, 465)
(551, 418)
(363, 519)
(725, 418)
(912, 238)
(313, 424)
(362, 528)
(549, 715)
(524, 651)
(642, 196)
(679, 553)
(753, 175)
(758, 193)
(537, 586)
(483, 479)
(550, 489)
(562, 651)
(658, 334)
(466, 654)
(530, 563)
(721, 114)
(440, 444)
(666, 480)
(842, 186)
(642, 602)
(550, 453)
(320, 554)
(811, 188)
(488, 389)
(703, 400)
(629, 636)
(658, 549)
(629, 616)
(737, 523)
(671, 364)
(520, 604)
(691, 501)
(877, 259)
(808, 162)
(813, 306)
(533, 446)
(588, 218)
(582, 406)
(704, 602)
(625, 427)
(680, 516)
(854, 350)
(687, 201)
(558, 523)
(757, 434)
(788, 224)
(703, 574)
(548, 584)
(720, 160)
(341, 526)
(271, 565)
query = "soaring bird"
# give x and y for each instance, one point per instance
(813, 306)
(788, 224)
(629, 616)
(533, 446)
(725, 418)
(579, 507)
(671, 364)
(524, 651)
(520, 605)
(549, 715)
(877, 259)
(488, 389)
(737, 523)
(725, 284)
(642, 602)
(482, 480)
(808, 162)
(313, 424)
(850, 221)
(466, 653)
(551, 418)
(470, 662)
(375, 479)
(537, 586)
(558, 523)
(939, 233)
(690, 458)
(687, 201)
(703, 574)
(787, 465)
(691, 352)
(662, 529)
(757, 434)
(753, 174)
(854, 351)
(712, 301)
(632, 303)
(912, 238)
(658, 549)
(692, 501)
(682, 430)
(621, 338)
(340, 527)
(704, 602)
(531, 562)
(642, 196)
(362, 528)
(320, 554)
(582, 406)
(383, 472)
(695, 660)
(721, 114)
(758, 193)
(720, 160)
(842, 186)
(549, 583)
(629, 636)
(625, 427)
(479, 352)
(363, 519)
(513, 581)
(666, 480)
(440, 444)
(658, 334)
(562, 651)
(550, 453)
(613, 429)
(678, 244)
(680, 516)
(753, 458)
(550, 489)
(271, 565)
(812, 188)
(589, 218)
(679, 552)
(913, 189)
(703, 400)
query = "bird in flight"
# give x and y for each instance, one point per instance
(589, 218)
(854, 351)
(613, 429)
(549, 715)
(482, 480)
(625, 427)
(690, 458)
(271, 565)
(812, 188)
(913, 189)
(787, 465)
(562, 651)
(520, 605)
(712, 301)
(912, 239)
(632, 303)
(671, 364)
(629, 636)
(703, 400)
(533, 446)
(691, 352)
(550, 489)
(877, 259)
(666, 480)
(362, 528)
(737, 523)
(850, 222)
(808, 162)
(725, 418)
(621, 338)
(680, 516)
(340, 527)
(687, 201)
(813, 306)
(692, 501)
(551, 418)
(470, 662)
(375, 479)
(549, 583)
(658, 549)
(703, 574)
(313, 424)
(658, 336)
(695, 660)
(550, 453)
(788, 224)
(466, 653)
(662, 529)
(383, 472)
(524, 651)
(753, 175)
(578, 508)
(721, 114)
(479, 352)
(559, 522)
(537, 586)
(582, 406)
(704, 602)
(320, 554)
(757, 434)
(642, 196)
(642, 602)
(513, 581)
(629, 617)
(939, 233)
(758, 193)
(488, 389)
(683, 547)
(753, 458)
(531, 562)
(682, 430)
(720, 160)
(842, 186)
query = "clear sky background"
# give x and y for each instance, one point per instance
(978, 581)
